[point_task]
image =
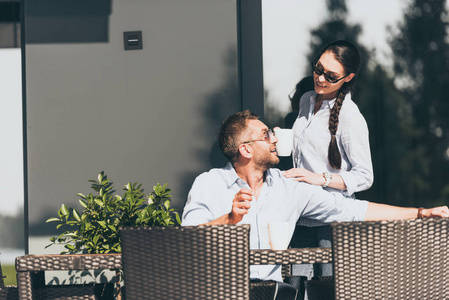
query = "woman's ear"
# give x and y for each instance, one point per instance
(349, 77)
(246, 150)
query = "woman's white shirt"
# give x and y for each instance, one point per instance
(311, 138)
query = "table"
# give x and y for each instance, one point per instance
(31, 268)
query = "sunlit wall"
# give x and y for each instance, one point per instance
(11, 158)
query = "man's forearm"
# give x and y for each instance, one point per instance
(223, 220)
(376, 211)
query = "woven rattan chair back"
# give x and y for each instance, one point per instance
(7, 292)
(391, 259)
(2, 283)
(198, 262)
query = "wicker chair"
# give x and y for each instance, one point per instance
(7, 292)
(200, 262)
(31, 276)
(391, 259)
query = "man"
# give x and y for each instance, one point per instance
(249, 191)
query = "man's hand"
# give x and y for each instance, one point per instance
(240, 205)
(441, 211)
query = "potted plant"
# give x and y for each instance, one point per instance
(96, 229)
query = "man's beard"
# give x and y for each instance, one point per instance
(266, 162)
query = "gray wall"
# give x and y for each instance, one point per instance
(146, 115)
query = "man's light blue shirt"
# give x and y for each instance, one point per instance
(281, 199)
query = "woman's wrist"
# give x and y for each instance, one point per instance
(327, 179)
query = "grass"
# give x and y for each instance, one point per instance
(10, 272)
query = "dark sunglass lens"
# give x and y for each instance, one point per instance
(320, 72)
(331, 79)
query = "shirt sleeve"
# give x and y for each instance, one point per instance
(197, 210)
(326, 207)
(355, 143)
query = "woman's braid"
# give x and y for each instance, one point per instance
(334, 155)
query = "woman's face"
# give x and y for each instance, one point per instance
(332, 68)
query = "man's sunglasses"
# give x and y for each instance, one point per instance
(266, 138)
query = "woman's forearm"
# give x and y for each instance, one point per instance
(337, 182)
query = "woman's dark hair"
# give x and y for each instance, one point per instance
(348, 55)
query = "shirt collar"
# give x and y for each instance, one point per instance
(329, 103)
(269, 177)
(326, 103)
(231, 176)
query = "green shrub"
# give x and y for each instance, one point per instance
(96, 228)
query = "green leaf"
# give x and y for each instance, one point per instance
(167, 204)
(95, 239)
(83, 203)
(63, 211)
(72, 234)
(76, 215)
(52, 220)
(70, 247)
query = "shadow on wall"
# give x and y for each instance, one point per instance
(220, 103)
(67, 21)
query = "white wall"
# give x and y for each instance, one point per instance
(11, 159)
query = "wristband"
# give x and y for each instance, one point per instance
(328, 177)
(420, 216)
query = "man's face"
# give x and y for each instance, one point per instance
(264, 147)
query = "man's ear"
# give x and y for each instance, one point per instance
(246, 150)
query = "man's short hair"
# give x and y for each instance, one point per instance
(231, 133)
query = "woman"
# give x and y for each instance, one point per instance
(331, 145)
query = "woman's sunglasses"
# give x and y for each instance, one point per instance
(329, 78)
